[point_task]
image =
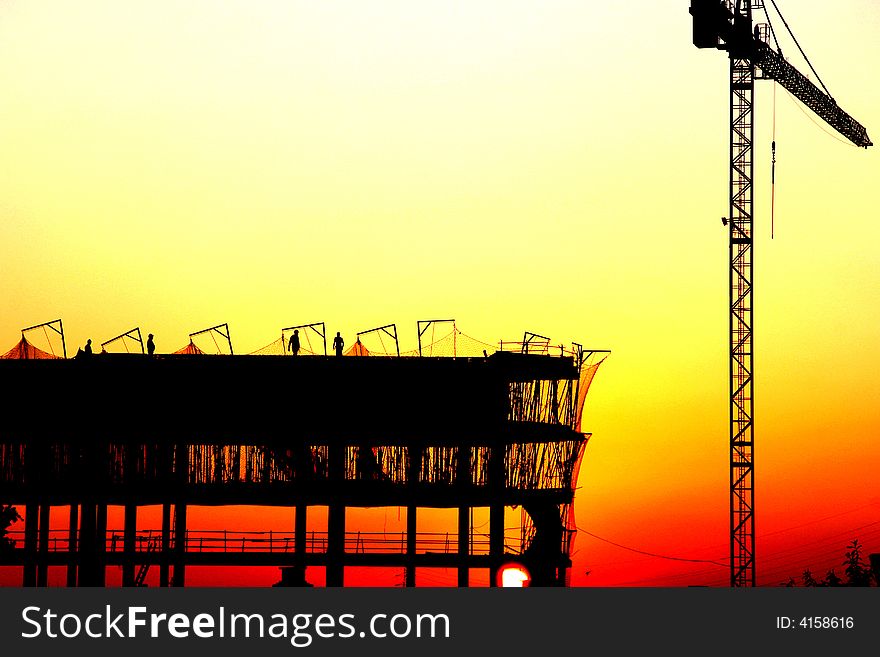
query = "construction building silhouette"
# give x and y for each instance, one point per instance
(469, 431)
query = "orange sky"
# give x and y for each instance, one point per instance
(559, 167)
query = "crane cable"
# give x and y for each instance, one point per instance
(806, 59)
(773, 139)
(773, 172)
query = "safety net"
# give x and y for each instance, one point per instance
(191, 348)
(25, 350)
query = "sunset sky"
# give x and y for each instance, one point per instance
(558, 167)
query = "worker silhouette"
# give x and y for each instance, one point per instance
(293, 343)
(151, 347)
(87, 350)
(367, 463)
(338, 344)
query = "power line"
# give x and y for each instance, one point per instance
(817, 520)
(821, 552)
(651, 554)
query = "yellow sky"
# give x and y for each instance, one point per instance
(559, 167)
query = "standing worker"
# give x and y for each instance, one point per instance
(338, 344)
(151, 348)
(293, 343)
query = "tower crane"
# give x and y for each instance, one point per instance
(728, 25)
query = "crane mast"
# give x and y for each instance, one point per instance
(742, 488)
(729, 26)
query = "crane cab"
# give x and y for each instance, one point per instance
(711, 17)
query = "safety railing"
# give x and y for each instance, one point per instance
(224, 541)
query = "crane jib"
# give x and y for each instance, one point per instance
(774, 67)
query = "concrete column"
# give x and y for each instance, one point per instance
(43, 555)
(496, 511)
(464, 528)
(413, 474)
(101, 545)
(181, 477)
(336, 545)
(179, 578)
(299, 535)
(129, 544)
(31, 531)
(411, 524)
(463, 482)
(335, 574)
(496, 541)
(165, 564)
(72, 533)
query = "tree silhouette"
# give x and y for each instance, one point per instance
(858, 572)
(8, 516)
